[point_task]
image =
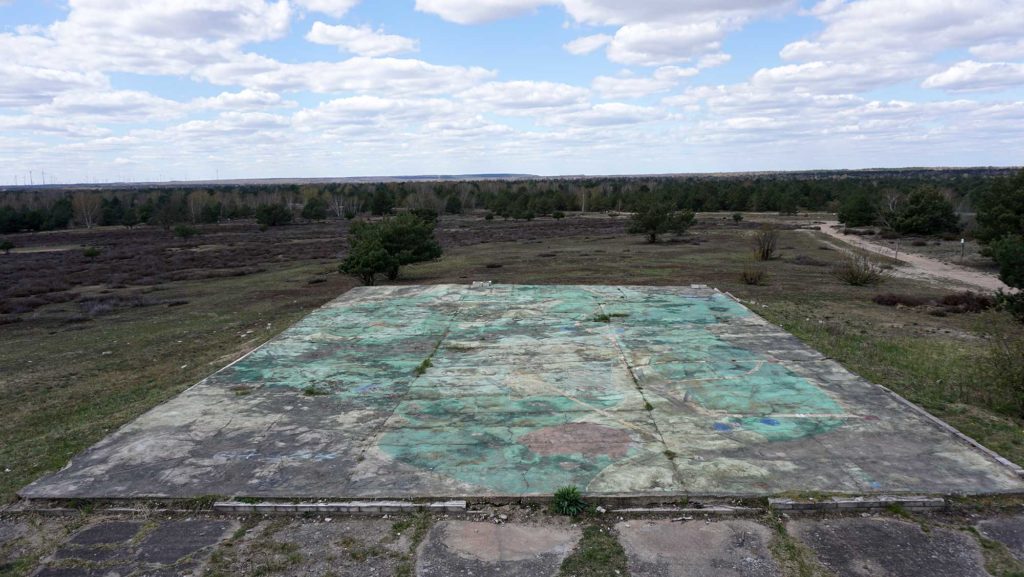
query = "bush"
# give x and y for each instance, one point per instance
(967, 302)
(1000, 208)
(91, 252)
(273, 214)
(1008, 252)
(1012, 303)
(568, 501)
(6, 245)
(754, 275)
(558, 215)
(383, 247)
(489, 216)
(926, 212)
(765, 242)
(315, 209)
(737, 217)
(657, 218)
(893, 299)
(858, 209)
(859, 270)
(185, 231)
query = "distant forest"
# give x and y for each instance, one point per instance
(48, 208)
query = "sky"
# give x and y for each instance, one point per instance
(138, 90)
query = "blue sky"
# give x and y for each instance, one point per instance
(103, 90)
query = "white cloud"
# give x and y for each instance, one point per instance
(358, 74)
(969, 76)
(999, 51)
(25, 85)
(587, 44)
(657, 44)
(363, 40)
(630, 86)
(479, 11)
(110, 106)
(336, 8)
(242, 100)
(525, 97)
(609, 114)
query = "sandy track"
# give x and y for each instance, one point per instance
(922, 267)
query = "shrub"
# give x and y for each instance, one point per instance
(926, 212)
(383, 247)
(489, 216)
(858, 209)
(893, 299)
(273, 214)
(1008, 252)
(754, 275)
(967, 302)
(558, 215)
(1012, 303)
(185, 231)
(654, 219)
(859, 270)
(737, 217)
(6, 245)
(315, 208)
(91, 252)
(1000, 208)
(568, 501)
(765, 242)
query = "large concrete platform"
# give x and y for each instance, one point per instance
(469, 391)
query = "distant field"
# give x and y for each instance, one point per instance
(90, 343)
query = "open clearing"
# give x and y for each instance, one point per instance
(512, 390)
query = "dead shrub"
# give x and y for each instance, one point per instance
(754, 275)
(765, 242)
(967, 302)
(859, 270)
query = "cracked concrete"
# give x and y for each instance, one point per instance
(618, 390)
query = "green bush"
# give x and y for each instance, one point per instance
(858, 209)
(655, 218)
(737, 217)
(1008, 252)
(926, 212)
(754, 275)
(489, 216)
(315, 209)
(381, 248)
(1000, 208)
(6, 245)
(91, 252)
(185, 231)
(558, 215)
(273, 214)
(568, 501)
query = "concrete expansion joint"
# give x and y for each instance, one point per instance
(861, 503)
(344, 507)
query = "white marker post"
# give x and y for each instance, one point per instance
(962, 249)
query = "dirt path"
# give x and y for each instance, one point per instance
(921, 267)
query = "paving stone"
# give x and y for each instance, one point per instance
(1007, 530)
(107, 533)
(889, 548)
(697, 549)
(177, 540)
(462, 548)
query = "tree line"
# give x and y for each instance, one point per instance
(54, 208)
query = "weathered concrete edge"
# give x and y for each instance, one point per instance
(1015, 468)
(349, 507)
(847, 504)
(1001, 460)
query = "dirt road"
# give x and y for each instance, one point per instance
(921, 267)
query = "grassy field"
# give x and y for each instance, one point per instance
(72, 371)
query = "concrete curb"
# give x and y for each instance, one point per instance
(347, 507)
(848, 504)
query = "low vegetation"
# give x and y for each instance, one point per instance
(598, 554)
(859, 270)
(568, 501)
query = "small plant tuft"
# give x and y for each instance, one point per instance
(754, 275)
(422, 368)
(766, 240)
(859, 270)
(91, 252)
(568, 501)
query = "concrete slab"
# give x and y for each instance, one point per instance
(178, 547)
(462, 548)
(320, 548)
(449, 391)
(697, 549)
(1007, 530)
(877, 547)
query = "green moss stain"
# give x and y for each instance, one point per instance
(509, 362)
